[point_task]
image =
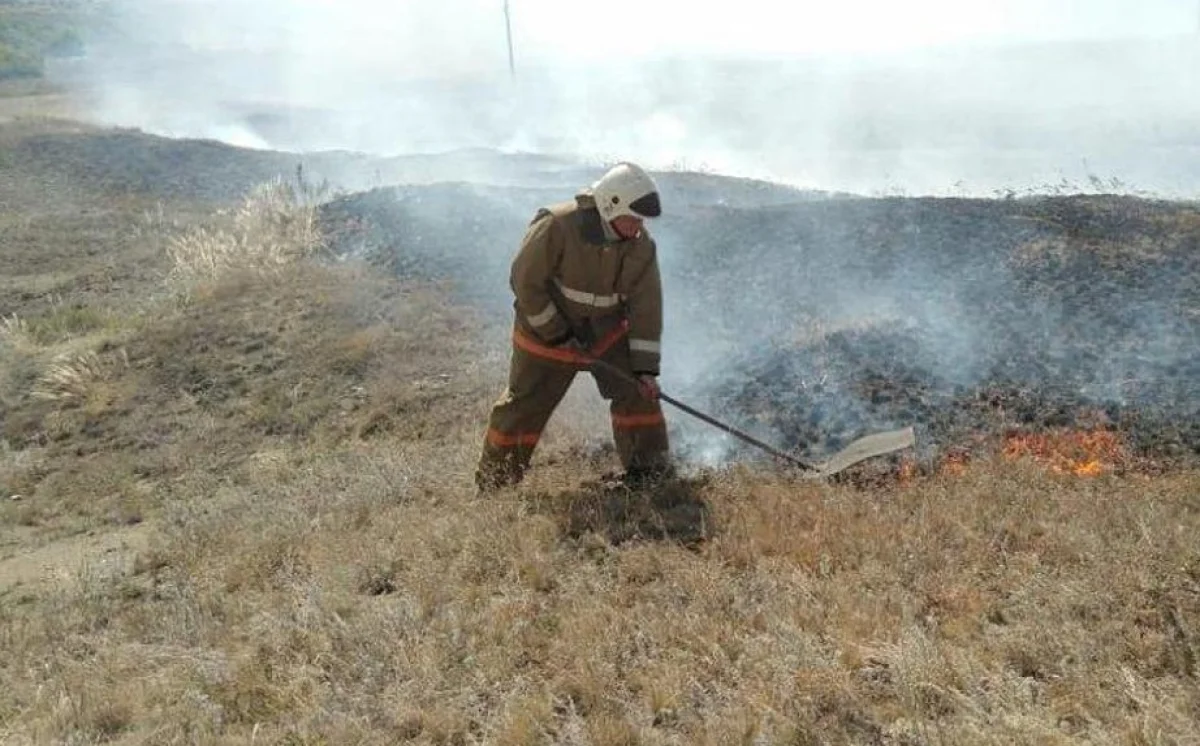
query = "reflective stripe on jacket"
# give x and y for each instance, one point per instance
(598, 278)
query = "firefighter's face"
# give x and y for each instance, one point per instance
(627, 226)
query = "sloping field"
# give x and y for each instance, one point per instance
(241, 431)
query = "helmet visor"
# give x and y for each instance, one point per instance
(647, 206)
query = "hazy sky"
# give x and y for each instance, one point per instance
(464, 35)
(806, 26)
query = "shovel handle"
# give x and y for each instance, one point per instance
(738, 433)
(610, 368)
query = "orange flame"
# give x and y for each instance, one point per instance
(1084, 453)
(955, 463)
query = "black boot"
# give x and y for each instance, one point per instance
(647, 477)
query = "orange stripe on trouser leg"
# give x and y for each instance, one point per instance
(633, 421)
(506, 440)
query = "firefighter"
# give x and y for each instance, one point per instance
(586, 284)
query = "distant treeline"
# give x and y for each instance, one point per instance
(32, 32)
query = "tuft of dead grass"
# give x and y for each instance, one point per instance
(77, 380)
(274, 227)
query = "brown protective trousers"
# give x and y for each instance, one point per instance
(539, 377)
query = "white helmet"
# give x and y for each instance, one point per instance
(626, 189)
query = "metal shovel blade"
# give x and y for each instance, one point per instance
(870, 446)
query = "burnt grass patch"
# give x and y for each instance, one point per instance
(674, 509)
(825, 319)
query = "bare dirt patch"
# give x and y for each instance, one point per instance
(27, 566)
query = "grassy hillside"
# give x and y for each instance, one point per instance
(236, 507)
(30, 32)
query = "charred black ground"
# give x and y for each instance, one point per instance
(811, 320)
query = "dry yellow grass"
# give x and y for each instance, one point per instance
(361, 595)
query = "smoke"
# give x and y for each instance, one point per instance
(923, 97)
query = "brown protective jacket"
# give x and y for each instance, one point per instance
(599, 278)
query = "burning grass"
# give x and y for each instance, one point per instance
(1081, 453)
(1084, 453)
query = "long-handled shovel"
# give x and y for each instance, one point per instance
(869, 446)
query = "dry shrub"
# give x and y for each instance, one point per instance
(51, 357)
(275, 226)
(77, 380)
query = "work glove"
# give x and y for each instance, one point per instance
(648, 387)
